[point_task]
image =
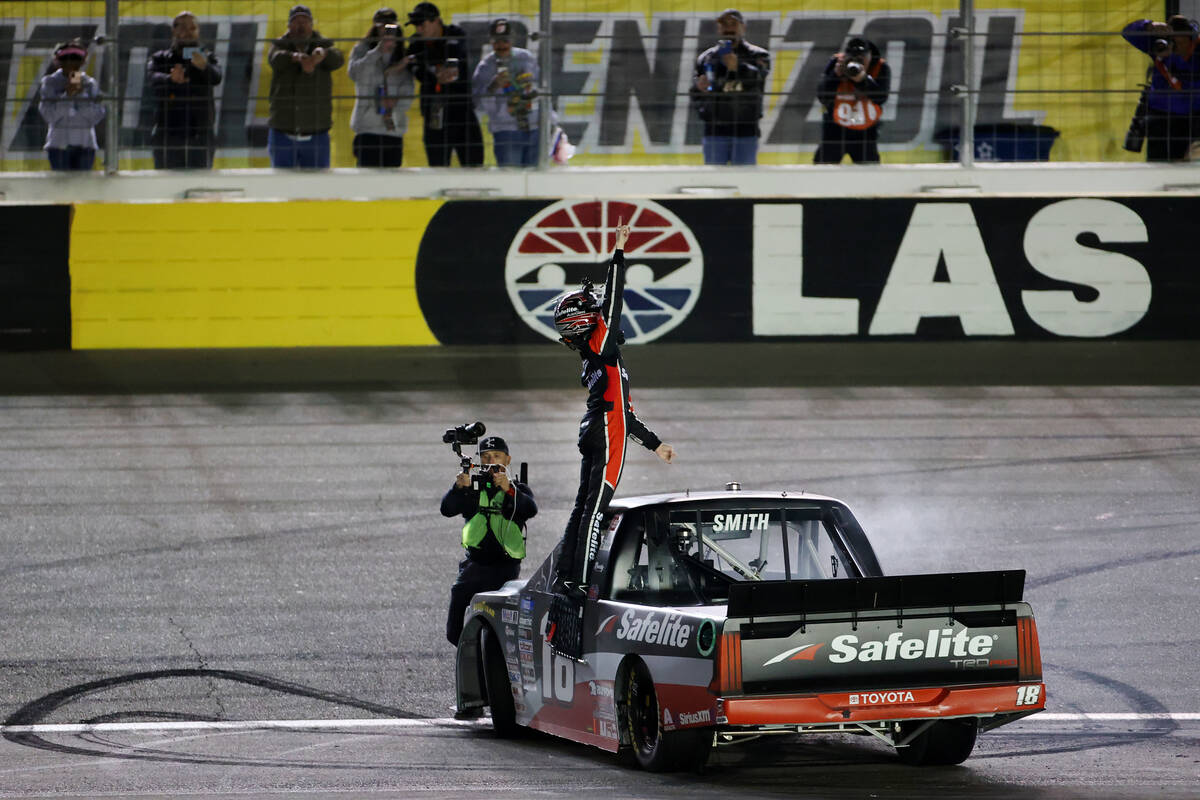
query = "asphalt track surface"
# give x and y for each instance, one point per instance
(231, 592)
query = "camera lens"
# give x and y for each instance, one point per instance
(853, 69)
(1160, 46)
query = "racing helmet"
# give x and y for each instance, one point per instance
(576, 314)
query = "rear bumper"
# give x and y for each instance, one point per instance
(883, 705)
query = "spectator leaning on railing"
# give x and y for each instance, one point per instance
(301, 94)
(727, 92)
(383, 91)
(505, 88)
(70, 104)
(852, 90)
(1173, 99)
(182, 78)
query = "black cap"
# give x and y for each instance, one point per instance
(857, 46)
(297, 11)
(731, 12)
(422, 12)
(500, 29)
(493, 443)
(385, 14)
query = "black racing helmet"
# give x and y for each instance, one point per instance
(576, 314)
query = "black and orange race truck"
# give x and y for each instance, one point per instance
(718, 617)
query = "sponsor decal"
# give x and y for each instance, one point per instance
(527, 658)
(668, 721)
(937, 644)
(606, 728)
(509, 615)
(525, 633)
(526, 645)
(569, 240)
(702, 716)
(484, 608)
(524, 621)
(509, 647)
(519, 706)
(741, 522)
(510, 631)
(514, 675)
(669, 630)
(526, 606)
(600, 689)
(803, 653)
(881, 698)
(960, 647)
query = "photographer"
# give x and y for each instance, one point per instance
(727, 92)
(383, 91)
(852, 90)
(182, 78)
(438, 59)
(496, 510)
(1173, 98)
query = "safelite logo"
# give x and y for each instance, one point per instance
(570, 240)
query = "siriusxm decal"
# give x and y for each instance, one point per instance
(573, 239)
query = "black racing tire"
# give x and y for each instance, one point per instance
(947, 741)
(652, 748)
(499, 688)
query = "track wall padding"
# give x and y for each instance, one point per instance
(759, 270)
(215, 275)
(35, 283)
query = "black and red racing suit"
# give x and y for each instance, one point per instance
(608, 422)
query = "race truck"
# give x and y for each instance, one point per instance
(718, 617)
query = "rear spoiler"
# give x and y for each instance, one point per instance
(762, 598)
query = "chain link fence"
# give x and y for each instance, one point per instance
(969, 81)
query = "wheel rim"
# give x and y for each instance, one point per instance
(643, 713)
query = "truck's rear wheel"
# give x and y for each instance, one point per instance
(499, 689)
(655, 749)
(947, 741)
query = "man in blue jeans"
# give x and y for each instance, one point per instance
(302, 63)
(727, 93)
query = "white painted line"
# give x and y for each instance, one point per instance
(449, 722)
(234, 725)
(1051, 716)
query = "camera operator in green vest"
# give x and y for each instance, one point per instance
(496, 508)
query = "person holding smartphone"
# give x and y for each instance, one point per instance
(438, 59)
(70, 104)
(727, 93)
(181, 80)
(383, 93)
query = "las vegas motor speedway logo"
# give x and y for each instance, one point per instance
(573, 239)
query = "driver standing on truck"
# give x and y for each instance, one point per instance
(591, 326)
(494, 533)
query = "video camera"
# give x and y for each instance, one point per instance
(481, 474)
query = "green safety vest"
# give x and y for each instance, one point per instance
(491, 519)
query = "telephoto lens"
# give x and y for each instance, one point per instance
(853, 69)
(1160, 47)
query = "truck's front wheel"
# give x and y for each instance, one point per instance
(947, 741)
(655, 749)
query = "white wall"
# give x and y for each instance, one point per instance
(784, 181)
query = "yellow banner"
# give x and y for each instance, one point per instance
(296, 274)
